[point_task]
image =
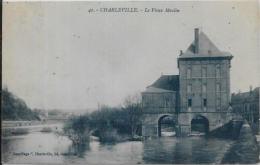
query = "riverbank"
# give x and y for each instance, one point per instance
(245, 150)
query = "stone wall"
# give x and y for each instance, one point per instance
(150, 124)
(216, 100)
(164, 102)
(155, 106)
(245, 149)
(215, 120)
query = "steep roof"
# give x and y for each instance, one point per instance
(152, 89)
(206, 48)
(167, 82)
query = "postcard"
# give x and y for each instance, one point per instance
(130, 82)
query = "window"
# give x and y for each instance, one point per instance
(189, 88)
(204, 88)
(204, 72)
(167, 102)
(218, 87)
(189, 102)
(245, 107)
(218, 71)
(188, 73)
(204, 102)
(218, 102)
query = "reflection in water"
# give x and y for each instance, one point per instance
(161, 150)
(34, 147)
(78, 150)
(185, 150)
(94, 153)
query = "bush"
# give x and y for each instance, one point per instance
(78, 130)
(110, 124)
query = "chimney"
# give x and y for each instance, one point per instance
(181, 52)
(196, 42)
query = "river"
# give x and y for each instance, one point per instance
(39, 147)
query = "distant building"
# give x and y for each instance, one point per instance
(247, 104)
(199, 94)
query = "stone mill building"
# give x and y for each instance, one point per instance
(199, 94)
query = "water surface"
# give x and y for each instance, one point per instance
(39, 147)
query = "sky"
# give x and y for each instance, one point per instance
(57, 55)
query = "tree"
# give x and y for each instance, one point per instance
(132, 105)
(14, 108)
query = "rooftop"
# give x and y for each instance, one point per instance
(166, 83)
(152, 89)
(203, 47)
(246, 95)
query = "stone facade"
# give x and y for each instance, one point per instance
(204, 90)
(207, 91)
(201, 90)
(158, 101)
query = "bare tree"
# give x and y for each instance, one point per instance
(132, 105)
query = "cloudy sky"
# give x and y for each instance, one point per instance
(58, 55)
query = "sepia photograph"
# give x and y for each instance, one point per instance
(130, 82)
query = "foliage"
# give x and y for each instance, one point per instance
(77, 129)
(109, 123)
(14, 108)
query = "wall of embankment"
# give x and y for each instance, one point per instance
(245, 149)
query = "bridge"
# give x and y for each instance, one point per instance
(23, 127)
(183, 123)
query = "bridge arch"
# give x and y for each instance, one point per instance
(172, 121)
(199, 123)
